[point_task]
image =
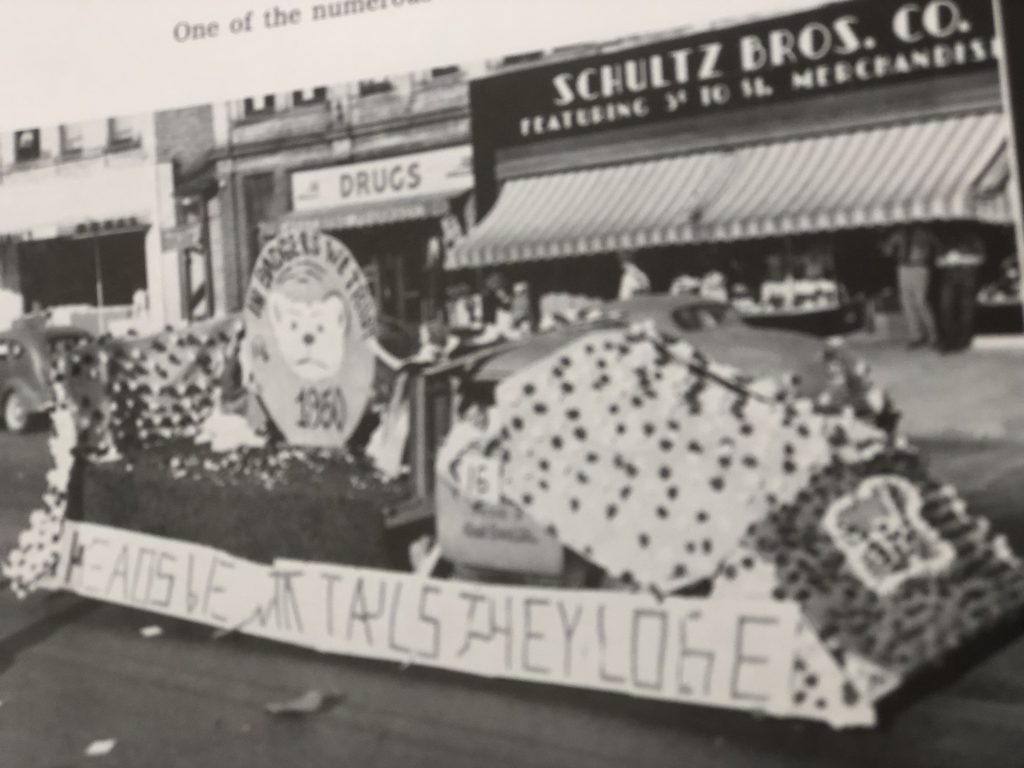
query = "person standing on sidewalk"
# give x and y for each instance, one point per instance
(914, 249)
(956, 270)
(634, 281)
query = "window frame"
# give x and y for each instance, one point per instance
(375, 87)
(71, 151)
(19, 155)
(450, 72)
(117, 143)
(319, 96)
(251, 112)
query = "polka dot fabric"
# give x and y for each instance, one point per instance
(892, 588)
(139, 391)
(645, 457)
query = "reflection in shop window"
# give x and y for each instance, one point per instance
(26, 145)
(72, 140)
(123, 132)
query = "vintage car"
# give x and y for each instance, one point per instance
(25, 353)
(712, 327)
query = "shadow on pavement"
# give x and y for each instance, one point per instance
(41, 630)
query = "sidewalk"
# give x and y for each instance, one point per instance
(973, 395)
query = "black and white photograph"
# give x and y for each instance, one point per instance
(656, 400)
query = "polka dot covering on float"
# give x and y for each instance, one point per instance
(674, 474)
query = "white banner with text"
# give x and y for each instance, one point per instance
(735, 654)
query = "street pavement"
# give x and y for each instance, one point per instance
(73, 671)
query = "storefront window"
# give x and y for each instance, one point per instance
(373, 87)
(258, 105)
(444, 73)
(124, 132)
(309, 96)
(521, 58)
(96, 271)
(26, 145)
(72, 140)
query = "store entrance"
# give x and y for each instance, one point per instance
(393, 258)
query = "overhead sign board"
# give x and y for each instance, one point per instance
(839, 47)
(389, 180)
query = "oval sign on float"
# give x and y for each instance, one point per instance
(310, 317)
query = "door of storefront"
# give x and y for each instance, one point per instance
(393, 260)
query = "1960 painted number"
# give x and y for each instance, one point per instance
(321, 408)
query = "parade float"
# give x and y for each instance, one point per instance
(613, 510)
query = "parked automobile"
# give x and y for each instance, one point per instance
(25, 354)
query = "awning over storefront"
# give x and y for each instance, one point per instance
(944, 168)
(877, 177)
(81, 228)
(372, 214)
(582, 212)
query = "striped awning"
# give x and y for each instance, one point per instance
(878, 177)
(944, 168)
(583, 212)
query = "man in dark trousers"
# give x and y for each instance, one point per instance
(956, 271)
(914, 249)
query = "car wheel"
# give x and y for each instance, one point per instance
(16, 413)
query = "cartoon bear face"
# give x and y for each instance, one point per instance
(310, 334)
(881, 531)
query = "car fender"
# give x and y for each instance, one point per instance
(36, 402)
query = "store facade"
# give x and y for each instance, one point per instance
(392, 213)
(385, 165)
(85, 234)
(800, 141)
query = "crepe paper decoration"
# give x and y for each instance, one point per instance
(424, 556)
(888, 565)
(38, 552)
(669, 471)
(647, 459)
(100, 747)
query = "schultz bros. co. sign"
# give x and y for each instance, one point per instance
(843, 46)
